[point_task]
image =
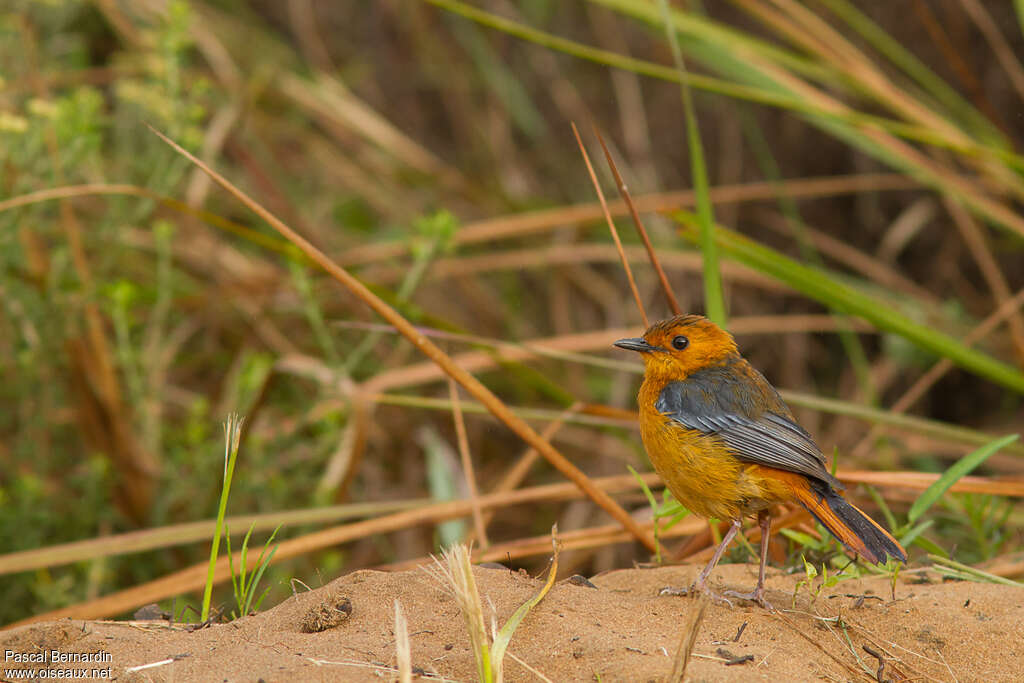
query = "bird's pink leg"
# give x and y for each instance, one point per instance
(757, 595)
(701, 583)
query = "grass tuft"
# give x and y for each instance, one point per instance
(455, 571)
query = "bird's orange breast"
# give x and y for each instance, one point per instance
(701, 471)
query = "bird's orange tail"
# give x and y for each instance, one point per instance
(858, 532)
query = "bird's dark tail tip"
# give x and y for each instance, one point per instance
(858, 532)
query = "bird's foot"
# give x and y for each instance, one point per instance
(693, 590)
(756, 595)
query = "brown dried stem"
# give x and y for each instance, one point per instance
(670, 296)
(611, 227)
(479, 526)
(431, 351)
(689, 639)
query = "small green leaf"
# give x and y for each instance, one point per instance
(959, 469)
(809, 569)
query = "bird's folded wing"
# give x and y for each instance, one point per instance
(764, 438)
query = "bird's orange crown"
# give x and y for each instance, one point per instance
(676, 347)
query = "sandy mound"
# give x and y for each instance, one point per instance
(618, 629)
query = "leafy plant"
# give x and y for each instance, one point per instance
(982, 518)
(245, 582)
(827, 581)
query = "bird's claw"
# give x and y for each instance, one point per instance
(693, 590)
(754, 596)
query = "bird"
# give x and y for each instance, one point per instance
(727, 446)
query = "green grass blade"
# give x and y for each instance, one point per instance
(843, 298)
(441, 482)
(959, 469)
(699, 29)
(243, 564)
(645, 488)
(232, 434)
(948, 567)
(876, 497)
(799, 537)
(236, 588)
(262, 562)
(930, 547)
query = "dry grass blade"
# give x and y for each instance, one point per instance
(872, 267)
(919, 481)
(402, 650)
(478, 361)
(430, 350)
(579, 539)
(479, 526)
(670, 296)
(552, 256)
(853, 671)
(699, 548)
(978, 244)
(544, 220)
(688, 640)
(1002, 49)
(328, 99)
(454, 571)
(611, 227)
(517, 473)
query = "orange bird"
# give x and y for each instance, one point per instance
(727, 446)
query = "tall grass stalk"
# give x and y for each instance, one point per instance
(232, 436)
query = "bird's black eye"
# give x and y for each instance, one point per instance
(679, 342)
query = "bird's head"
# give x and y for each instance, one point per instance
(674, 348)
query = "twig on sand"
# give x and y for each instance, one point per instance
(688, 640)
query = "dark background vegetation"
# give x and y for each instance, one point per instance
(380, 130)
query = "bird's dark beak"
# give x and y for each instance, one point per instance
(636, 344)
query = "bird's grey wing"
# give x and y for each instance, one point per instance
(721, 402)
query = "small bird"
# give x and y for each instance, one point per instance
(727, 446)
